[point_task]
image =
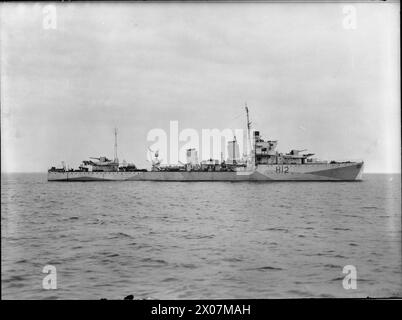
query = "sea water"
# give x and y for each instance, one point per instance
(197, 240)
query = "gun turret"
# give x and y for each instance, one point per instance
(101, 159)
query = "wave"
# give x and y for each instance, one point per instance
(265, 268)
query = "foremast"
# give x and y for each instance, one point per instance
(250, 153)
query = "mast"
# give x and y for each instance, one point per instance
(115, 145)
(249, 146)
(234, 150)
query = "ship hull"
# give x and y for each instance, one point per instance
(351, 171)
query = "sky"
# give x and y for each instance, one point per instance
(310, 79)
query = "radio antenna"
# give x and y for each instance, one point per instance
(248, 128)
(115, 145)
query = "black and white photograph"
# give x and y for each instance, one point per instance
(200, 150)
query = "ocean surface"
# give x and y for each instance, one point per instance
(196, 240)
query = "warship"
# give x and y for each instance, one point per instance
(261, 163)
